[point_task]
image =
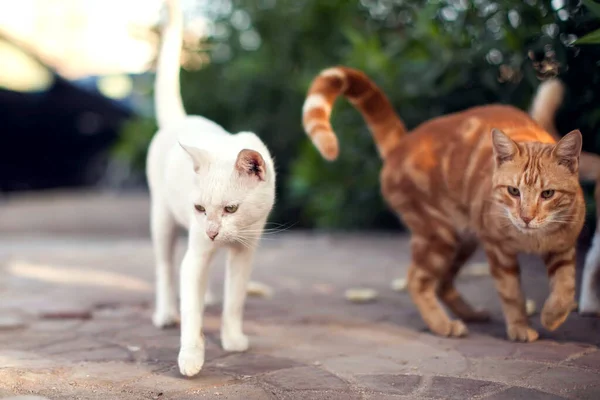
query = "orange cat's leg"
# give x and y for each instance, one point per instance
(560, 302)
(448, 293)
(505, 270)
(431, 258)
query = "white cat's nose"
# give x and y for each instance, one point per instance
(212, 234)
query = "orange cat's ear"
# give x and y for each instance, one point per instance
(568, 149)
(505, 149)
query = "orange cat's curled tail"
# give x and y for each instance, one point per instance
(384, 123)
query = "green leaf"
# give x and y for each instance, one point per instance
(593, 7)
(590, 38)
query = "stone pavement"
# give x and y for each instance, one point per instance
(75, 324)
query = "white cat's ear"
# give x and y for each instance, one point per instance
(250, 163)
(199, 157)
(505, 149)
(568, 149)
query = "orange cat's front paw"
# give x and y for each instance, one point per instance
(555, 312)
(521, 333)
(451, 328)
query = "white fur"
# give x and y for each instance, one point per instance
(547, 100)
(316, 100)
(589, 303)
(192, 161)
(336, 72)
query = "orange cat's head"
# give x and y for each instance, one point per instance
(536, 184)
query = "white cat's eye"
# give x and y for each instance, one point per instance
(231, 209)
(199, 208)
(513, 191)
(546, 194)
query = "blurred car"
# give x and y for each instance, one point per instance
(54, 133)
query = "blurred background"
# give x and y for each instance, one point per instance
(76, 77)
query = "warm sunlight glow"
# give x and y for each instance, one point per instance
(83, 37)
(20, 72)
(115, 86)
(77, 276)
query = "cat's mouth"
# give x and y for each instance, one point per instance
(527, 228)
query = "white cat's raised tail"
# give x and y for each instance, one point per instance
(221, 188)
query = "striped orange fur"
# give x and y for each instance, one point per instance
(489, 175)
(546, 102)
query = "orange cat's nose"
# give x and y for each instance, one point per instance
(526, 219)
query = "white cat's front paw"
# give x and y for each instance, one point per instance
(235, 342)
(190, 360)
(165, 318)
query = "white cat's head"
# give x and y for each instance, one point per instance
(232, 198)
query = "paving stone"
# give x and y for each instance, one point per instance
(248, 364)
(568, 382)
(361, 364)
(506, 371)
(118, 354)
(244, 391)
(25, 398)
(547, 351)
(390, 384)
(108, 372)
(171, 381)
(318, 395)
(106, 353)
(421, 358)
(50, 326)
(520, 393)
(62, 312)
(479, 348)
(15, 359)
(591, 361)
(449, 388)
(381, 396)
(65, 345)
(305, 378)
(10, 322)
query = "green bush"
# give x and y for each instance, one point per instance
(430, 57)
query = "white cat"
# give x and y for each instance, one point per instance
(219, 186)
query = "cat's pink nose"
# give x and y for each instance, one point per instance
(212, 234)
(526, 219)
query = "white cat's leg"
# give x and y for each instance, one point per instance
(239, 266)
(589, 299)
(163, 230)
(209, 297)
(193, 281)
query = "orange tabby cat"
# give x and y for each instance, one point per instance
(487, 175)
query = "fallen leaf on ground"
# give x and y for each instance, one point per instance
(530, 307)
(258, 289)
(399, 285)
(361, 295)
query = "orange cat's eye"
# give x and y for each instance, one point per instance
(199, 208)
(546, 194)
(513, 191)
